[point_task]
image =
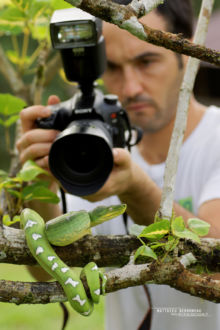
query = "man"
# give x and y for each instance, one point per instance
(147, 80)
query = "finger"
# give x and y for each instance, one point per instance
(115, 183)
(53, 99)
(37, 135)
(35, 151)
(29, 115)
(104, 192)
(43, 163)
(121, 156)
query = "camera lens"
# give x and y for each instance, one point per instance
(81, 157)
(86, 156)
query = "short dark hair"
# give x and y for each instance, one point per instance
(177, 13)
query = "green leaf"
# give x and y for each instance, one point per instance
(157, 245)
(16, 218)
(10, 105)
(40, 193)
(179, 230)
(10, 28)
(10, 183)
(156, 230)
(12, 14)
(171, 243)
(38, 8)
(28, 190)
(14, 193)
(145, 251)
(11, 120)
(198, 226)
(7, 220)
(42, 183)
(136, 229)
(39, 32)
(30, 171)
(57, 4)
(177, 224)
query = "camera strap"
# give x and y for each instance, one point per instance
(63, 200)
(62, 305)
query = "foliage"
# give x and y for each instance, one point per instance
(30, 19)
(161, 237)
(9, 113)
(10, 108)
(25, 187)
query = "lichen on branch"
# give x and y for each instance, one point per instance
(126, 17)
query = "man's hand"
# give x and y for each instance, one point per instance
(35, 143)
(118, 178)
(124, 178)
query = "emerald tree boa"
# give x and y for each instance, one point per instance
(62, 231)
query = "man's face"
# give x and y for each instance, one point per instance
(145, 77)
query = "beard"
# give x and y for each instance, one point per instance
(149, 122)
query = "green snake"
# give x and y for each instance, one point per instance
(62, 231)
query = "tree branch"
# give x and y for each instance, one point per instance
(127, 18)
(111, 251)
(104, 250)
(171, 273)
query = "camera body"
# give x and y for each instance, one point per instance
(91, 123)
(104, 108)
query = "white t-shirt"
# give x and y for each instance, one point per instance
(197, 181)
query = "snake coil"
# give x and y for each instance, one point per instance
(42, 251)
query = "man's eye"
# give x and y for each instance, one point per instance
(111, 66)
(145, 62)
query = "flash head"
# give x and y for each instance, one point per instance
(74, 28)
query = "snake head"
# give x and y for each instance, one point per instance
(104, 213)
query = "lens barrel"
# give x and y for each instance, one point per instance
(81, 157)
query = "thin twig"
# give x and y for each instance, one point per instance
(166, 205)
(10, 73)
(38, 81)
(52, 67)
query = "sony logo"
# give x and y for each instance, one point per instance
(80, 111)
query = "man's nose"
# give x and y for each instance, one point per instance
(132, 85)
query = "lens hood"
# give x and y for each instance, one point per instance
(81, 157)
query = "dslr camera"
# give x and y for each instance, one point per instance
(91, 123)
